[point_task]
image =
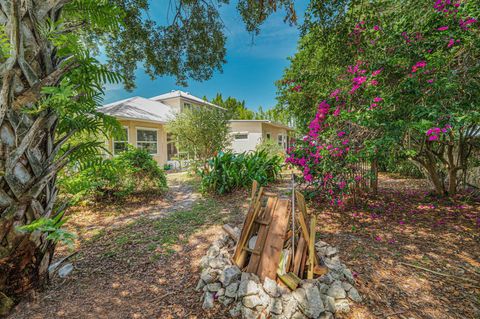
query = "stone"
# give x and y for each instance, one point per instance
(346, 286)
(329, 303)
(323, 288)
(231, 290)
(313, 305)
(229, 275)
(249, 276)
(326, 315)
(342, 306)
(225, 300)
(218, 263)
(200, 285)
(336, 291)
(208, 300)
(298, 315)
(247, 287)
(348, 274)
(208, 276)
(276, 306)
(213, 251)
(327, 279)
(220, 292)
(320, 244)
(331, 251)
(249, 313)
(65, 270)
(271, 287)
(334, 263)
(236, 311)
(252, 301)
(204, 262)
(214, 286)
(354, 295)
(322, 251)
(289, 304)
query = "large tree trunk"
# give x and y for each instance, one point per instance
(27, 146)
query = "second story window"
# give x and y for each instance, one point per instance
(186, 106)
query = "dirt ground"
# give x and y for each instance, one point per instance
(140, 258)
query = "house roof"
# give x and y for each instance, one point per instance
(185, 95)
(267, 122)
(139, 108)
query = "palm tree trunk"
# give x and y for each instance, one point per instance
(28, 148)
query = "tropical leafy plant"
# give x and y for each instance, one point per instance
(227, 171)
(134, 170)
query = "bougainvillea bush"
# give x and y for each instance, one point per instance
(385, 79)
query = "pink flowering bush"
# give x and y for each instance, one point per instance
(408, 76)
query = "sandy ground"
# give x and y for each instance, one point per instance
(140, 258)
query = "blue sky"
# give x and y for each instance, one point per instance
(251, 69)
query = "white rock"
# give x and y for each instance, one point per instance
(331, 251)
(229, 275)
(329, 303)
(231, 290)
(271, 287)
(342, 306)
(252, 301)
(208, 276)
(213, 251)
(348, 274)
(321, 244)
(214, 286)
(249, 313)
(298, 315)
(346, 286)
(208, 300)
(326, 315)
(276, 306)
(247, 287)
(225, 300)
(354, 295)
(220, 292)
(326, 279)
(323, 288)
(289, 304)
(336, 291)
(65, 270)
(200, 285)
(313, 306)
(218, 263)
(236, 311)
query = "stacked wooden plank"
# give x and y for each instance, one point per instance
(264, 246)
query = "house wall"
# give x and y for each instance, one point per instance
(132, 125)
(255, 135)
(175, 103)
(274, 131)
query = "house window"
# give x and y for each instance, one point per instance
(186, 106)
(172, 150)
(269, 136)
(121, 144)
(241, 136)
(147, 140)
(280, 139)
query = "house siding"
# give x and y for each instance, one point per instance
(257, 131)
(133, 125)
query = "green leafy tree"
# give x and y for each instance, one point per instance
(405, 75)
(51, 84)
(235, 108)
(201, 132)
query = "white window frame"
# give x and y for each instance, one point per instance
(282, 140)
(137, 128)
(127, 141)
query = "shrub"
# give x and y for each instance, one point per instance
(228, 171)
(271, 147)
(132, 171)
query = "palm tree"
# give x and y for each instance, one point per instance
(51, 86)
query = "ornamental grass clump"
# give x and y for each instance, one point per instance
(227, 171)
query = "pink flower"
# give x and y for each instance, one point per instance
(378, 238)
(336, 112)
(430, 80)
(433, 138)
(376, 27)
(376, 72)
(373, 82)
(335, 93)
(341, 133)
(373, 105)
(444, 28)
(377, 99)
(308, 177)
(451, 42)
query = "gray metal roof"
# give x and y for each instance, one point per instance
(139, 108)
